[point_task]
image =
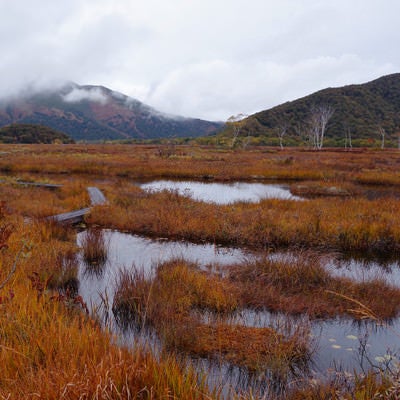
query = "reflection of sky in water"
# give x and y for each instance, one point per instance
(129, 251)
(364, 270)
(355, 269)
(223, 193)
(337, 341)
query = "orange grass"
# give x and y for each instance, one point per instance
(351, 224)
(50, 349)
(349, 387)
(143, 161)
(301, 285)
(255, 349)
(40, 202)
(168, 303)
(94, 247)
(48, 353)
(178, 288)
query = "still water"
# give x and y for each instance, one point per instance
(127, 251)
(223, 193)
(337, 342)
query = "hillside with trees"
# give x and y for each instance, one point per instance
(29, 133)
(360, 115)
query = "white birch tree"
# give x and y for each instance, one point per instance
(382, 133)
(236, 123)
(281, 130)
(347, 136)
(317, 123)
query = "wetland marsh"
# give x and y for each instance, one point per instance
(341, 342)
(269, 296)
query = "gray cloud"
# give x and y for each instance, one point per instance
(200, 58)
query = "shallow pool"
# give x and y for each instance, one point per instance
(223, 193)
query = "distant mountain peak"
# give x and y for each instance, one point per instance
(89, 112)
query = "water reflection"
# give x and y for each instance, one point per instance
(364, 269)
(337, 343)
(352, 346)
(223, 193)
(128, 251)
(356, 268)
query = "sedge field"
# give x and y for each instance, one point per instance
(52, 344)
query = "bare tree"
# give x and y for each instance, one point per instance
(281, 130)
(314, 128)
(382, 132)
(347, 136)
(236, 122)
(317, 123)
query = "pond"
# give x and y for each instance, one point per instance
(339, 343)
(223, 193)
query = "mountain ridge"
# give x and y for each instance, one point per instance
(89, 112)
(361, 109)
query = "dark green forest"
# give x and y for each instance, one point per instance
(361, 111)
(29, 133)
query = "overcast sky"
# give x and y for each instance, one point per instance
(201, 58)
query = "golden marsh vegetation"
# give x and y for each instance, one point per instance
(50, 345)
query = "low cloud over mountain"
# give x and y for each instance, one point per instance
(98, 113)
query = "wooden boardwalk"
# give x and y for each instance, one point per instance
(97, 197)
(36, 184)
(73, 217)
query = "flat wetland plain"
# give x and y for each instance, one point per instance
(53, 344)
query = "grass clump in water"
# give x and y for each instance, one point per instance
(94, 247)
(173, 302)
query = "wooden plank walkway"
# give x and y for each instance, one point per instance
(97, 197)
(36, 184)
(73, 217)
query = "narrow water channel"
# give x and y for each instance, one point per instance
(340, 344)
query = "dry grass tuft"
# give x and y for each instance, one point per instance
(94, 247)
